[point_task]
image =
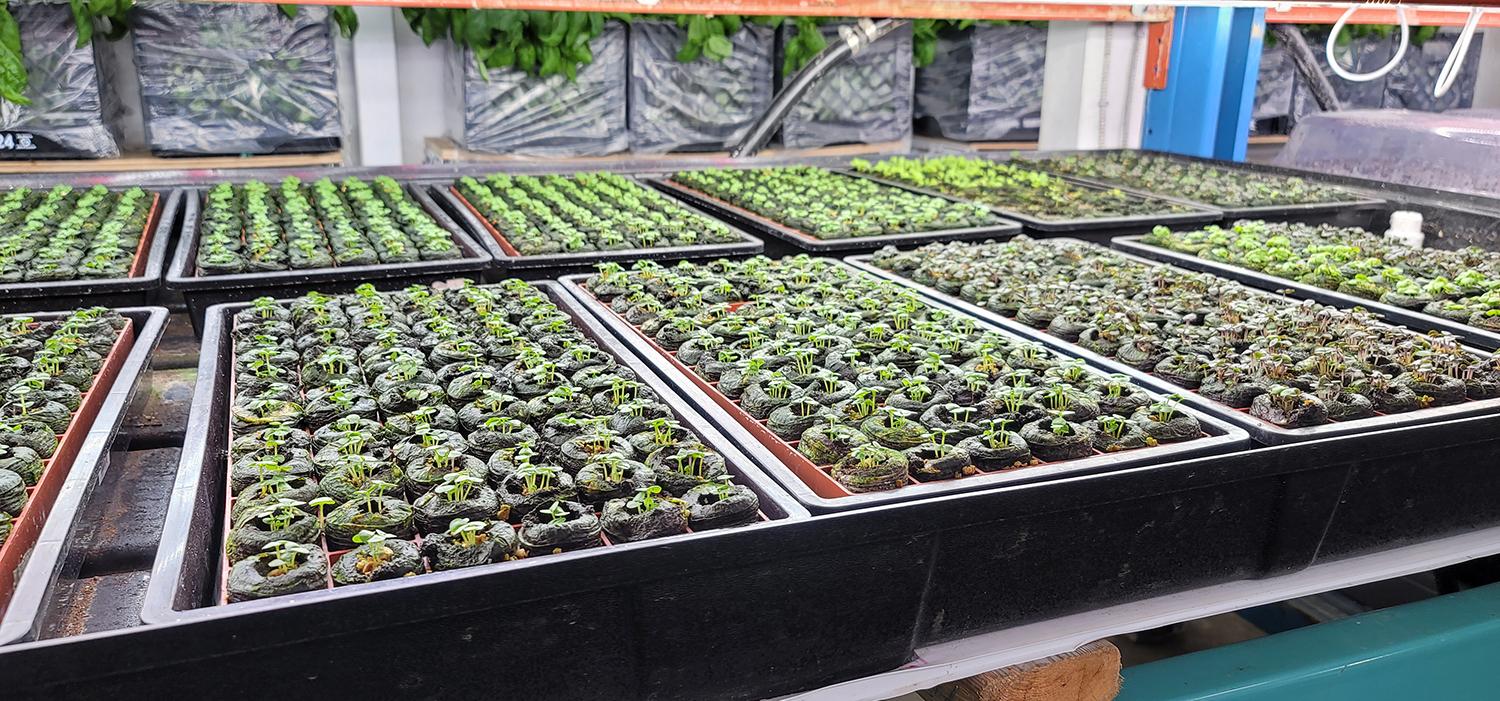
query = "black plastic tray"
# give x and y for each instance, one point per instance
(1391, 313)
(1201, 214)
(1223, 437)
(1263, 432)
(806, 242)
(511, 263)
(1310, 212)
(561, 624)
(202, 291)
(48, 557)
(58, 295)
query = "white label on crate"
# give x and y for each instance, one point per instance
(17, 141)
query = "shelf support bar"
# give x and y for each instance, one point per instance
(1205, 108)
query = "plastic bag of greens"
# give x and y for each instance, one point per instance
(1409, 85)
(984, 83)
(71, 114)
(1361, 52)
(865, 99)
(1274, 83)
(704, 103)
(228, 78)
(509, 111)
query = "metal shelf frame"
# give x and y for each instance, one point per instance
(959, 659)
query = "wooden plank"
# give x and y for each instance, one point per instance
(136, 162)
(442, 149)
(1090, 673)
(935, 9)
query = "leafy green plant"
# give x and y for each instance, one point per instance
(538, 42)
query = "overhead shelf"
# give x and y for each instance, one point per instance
(1415, 16)
(936, 9)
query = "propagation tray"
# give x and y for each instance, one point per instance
(511, 261)
(202, 291)
(1264, 432)
(1091, 226)
(813, 486)
(1310, 212)
(136, 289)
(770, 227)
(1254, 278)
(34, 555)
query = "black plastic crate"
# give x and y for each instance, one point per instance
(1254, 278)
(1222, 437)
(510, 262)
(1347, 211)
(1263, 432)
(802, 241)
(48, 558)
(1087, 227)
(134, 291)
(203, 291)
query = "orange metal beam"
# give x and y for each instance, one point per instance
(1158, 53)
(1416, 16)
(936, 9)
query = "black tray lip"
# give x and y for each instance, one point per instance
(46, 559)
(150, 278)
(1360, 201)
(745, 245)
(1198, 213)
(182, 274)
(725, 211)
(1224, 438)
(1263, 432)
(168, 565)
(1395, 315)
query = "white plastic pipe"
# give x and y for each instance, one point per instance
(1333, 35)
(1455, 62)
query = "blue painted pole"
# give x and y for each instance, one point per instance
(1205, 108)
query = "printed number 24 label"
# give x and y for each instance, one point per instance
(16, 141)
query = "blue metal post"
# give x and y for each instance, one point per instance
(1205, 108)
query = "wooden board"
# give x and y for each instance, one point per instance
(1090, 673)
(148, 162)
(442, 149)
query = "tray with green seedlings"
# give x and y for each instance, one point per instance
(1285, 369)
(381, 435)
(867, 393)
(558, 221)
(1042, 201)
(243, 240)
(1456, 291)
(1234, 188)
(817, 209)
(71, 245)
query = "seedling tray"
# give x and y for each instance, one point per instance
(1091, 226)
(138, 288)
(578, 613)
(511, 261)
(202, 291)
(1310, 212)
(808, 242)
(1262, 431)
(1254, 278)
(33, 557)
(815, 487)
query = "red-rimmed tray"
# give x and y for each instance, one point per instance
(816, 487)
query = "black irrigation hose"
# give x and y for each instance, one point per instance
(860, 37)
(1307, 65)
